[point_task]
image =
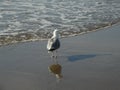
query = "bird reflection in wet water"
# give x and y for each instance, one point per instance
(56, 69)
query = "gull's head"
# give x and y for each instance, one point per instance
(55, 33)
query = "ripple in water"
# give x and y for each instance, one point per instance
(27, 20)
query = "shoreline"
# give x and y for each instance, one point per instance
(72, 35)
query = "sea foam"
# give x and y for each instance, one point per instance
(27, 20)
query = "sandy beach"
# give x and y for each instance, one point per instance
(89, 62)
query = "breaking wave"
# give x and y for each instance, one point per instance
(28, 20)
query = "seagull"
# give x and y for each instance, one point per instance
(53, 43)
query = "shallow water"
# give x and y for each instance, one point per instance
(24, 20)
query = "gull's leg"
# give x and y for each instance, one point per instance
(56, 57)
(55, 54)
(51, 54)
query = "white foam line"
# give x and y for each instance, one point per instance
(9, 12)
(45, 22)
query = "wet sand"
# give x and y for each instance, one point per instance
(89, 62)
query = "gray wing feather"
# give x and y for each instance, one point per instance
(53, 44)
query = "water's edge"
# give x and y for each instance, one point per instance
(30, 37)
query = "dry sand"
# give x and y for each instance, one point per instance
(89, 62)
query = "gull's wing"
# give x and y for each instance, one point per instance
(53, 44)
